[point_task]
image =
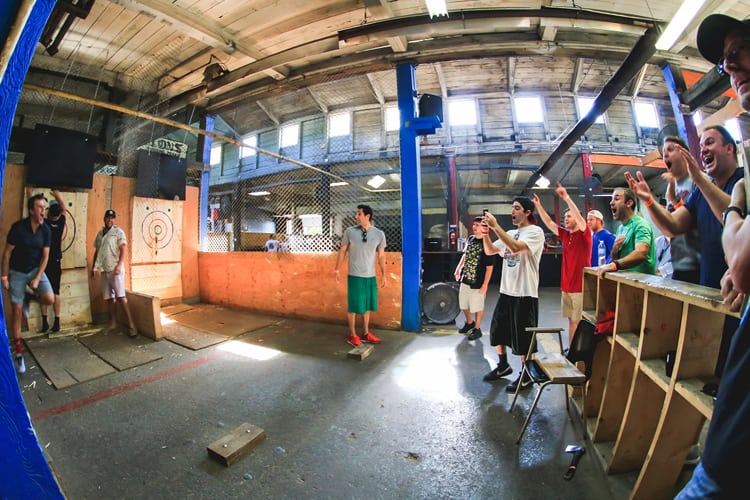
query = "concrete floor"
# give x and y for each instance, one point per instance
(413, 420)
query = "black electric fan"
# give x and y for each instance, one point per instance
(440, 303)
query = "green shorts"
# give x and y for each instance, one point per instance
(362, 294)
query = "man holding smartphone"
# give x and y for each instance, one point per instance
(474, 272)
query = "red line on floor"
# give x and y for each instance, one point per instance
(114, 391)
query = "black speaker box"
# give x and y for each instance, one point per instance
(160, 176)
(60, 158)
(431, 105)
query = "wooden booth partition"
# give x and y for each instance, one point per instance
(74, 288)
(190, 245)
(663, 350)
(299, 285)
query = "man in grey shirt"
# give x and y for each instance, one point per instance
(364, 243)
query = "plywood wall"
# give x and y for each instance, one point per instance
(74, 288)
(190, 245)
(290, 284)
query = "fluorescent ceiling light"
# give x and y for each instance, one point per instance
(376, 181)
(259, 193)
(341, 183)
(685, 14)
(542, 182)
(436, 8)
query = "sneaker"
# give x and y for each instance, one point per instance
(693, 456)
(354, 340)
(466, 328)
(498, 372)
(370, 338)
(525, 383)
(20, 364)
(475, 334)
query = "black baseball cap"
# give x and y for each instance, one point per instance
(110, 213)
(713, 30)
(527, 205)
(54, 210)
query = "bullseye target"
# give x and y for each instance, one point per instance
(157, 229)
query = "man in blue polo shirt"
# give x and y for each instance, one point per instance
(24, 260)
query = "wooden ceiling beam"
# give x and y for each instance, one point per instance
(196, 26)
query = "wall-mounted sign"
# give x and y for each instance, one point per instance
(167, 147)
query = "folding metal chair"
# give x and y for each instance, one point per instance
(557, 368)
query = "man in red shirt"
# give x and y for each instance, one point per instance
(576, 254)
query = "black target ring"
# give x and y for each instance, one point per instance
(70, 224)
(157, 229)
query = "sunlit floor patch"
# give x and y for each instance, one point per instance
(251, 351)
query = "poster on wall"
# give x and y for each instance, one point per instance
(156, 231)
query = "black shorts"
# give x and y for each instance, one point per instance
(54, 273)
(509, 321)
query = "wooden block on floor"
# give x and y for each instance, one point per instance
(237, 444)
(361, 351)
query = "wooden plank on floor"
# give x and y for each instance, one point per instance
(190, 337)
(119, 350)
(175, 309)
(237, 444)
(222, 320)
(67, 362)
(361, 351)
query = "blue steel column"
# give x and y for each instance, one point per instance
(685, 125)
(24, 472)
(411, 200)
(204, 155)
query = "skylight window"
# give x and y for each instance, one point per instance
(250, 140)
(528, 109)
(645, 114)
(584, 106)
(462, 112)
(392, 119)
(216, 152)
(339, 125)
(733, 127)
(290, 135)
(697, 118)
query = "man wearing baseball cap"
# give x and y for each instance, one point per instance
(595, 222)
(725, 41)
(109, 257)
(518, 304)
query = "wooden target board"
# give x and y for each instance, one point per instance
(156, 232)
(74, 235)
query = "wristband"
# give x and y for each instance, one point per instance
(677, 205)
(617, 263)
(649, 202)
(730, 209)
(4, 278)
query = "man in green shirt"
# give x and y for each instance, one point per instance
(634, 247)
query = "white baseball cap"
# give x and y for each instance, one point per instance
(597, 214)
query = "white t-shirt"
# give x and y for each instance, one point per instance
(520, 277)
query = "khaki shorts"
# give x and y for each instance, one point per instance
(572, 305)
(471, 299)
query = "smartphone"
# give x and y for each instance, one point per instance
(484, 211)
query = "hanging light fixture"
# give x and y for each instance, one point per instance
(684, 15)
(436, 8)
